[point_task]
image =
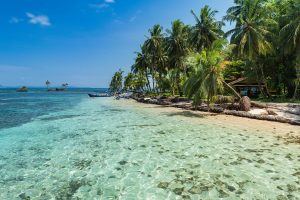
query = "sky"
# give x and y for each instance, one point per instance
(82, 42)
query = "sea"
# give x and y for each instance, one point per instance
(65, 145)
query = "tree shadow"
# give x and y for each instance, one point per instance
(186, 114)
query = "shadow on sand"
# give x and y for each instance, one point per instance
(186, 114)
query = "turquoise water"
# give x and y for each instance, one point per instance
(86, 148)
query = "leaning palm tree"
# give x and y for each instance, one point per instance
(178, 48)
(207, 80)
(290, 35)
(206, 30)
(250, 33)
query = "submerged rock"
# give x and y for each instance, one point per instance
(163, 185)
(123, 162)
(23, 196)
(178, 191)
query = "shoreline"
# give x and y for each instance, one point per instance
(259, 111)
(288, 132)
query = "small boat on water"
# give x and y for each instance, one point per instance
(99, 95)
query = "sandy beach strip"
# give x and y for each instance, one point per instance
(267, 127)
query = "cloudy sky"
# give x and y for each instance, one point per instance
(81, 42)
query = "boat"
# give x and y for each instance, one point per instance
(99, 95)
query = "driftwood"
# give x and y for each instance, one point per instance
(260, 117)
(258, 105)
(218, 109)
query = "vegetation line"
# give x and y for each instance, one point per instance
(200, 60)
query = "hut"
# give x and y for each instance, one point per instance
(247, 87)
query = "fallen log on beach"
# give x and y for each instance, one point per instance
(231, 109)
(274, 118)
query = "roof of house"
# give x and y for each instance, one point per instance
(243, 81)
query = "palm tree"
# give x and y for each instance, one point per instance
(207, 80)
(48, 84)
(141, 65)
(155, 48)
(290, 35)
(116, 82)
(206, 30)
(178, 48)
(65, 85)
(234, 12)
(250, 33)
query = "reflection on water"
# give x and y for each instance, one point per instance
(102, 150)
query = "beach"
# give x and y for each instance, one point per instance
(264, 126)
(108, 149)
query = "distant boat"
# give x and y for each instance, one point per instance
(99, 95)
(22, 89)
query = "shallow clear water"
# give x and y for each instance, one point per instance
(103, 149)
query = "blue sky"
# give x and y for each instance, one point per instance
(81, 42)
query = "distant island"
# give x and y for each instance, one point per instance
(22, 89)
(63, 87)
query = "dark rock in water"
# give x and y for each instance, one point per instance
(231, 188)
(23, 196)
(82, 164)
(23, 89)
(198, 189)
(245, 104)
(291, 188)
(123, 162)
(69, 189)
(178, 191)
(185, 197)
(163, 185)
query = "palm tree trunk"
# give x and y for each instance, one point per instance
(208, 102)
(232, 89)
(265, 81)
(297, 71)
(259, 82)
(296, 89)
(148, 82)
(178, 83)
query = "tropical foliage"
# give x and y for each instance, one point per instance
(199, 60)
(116, 82)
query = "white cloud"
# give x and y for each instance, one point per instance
(133, 18)
(15, 20)
(42, 20)
(103, 5)
(99, 6)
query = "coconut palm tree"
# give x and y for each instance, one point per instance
(206, 30)
(48, 84)
(155, 48)
(116, 82)
(250, 33)
(141, 65)
(290, 35)
(207, 80)
(178, 48)
(65, 85)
